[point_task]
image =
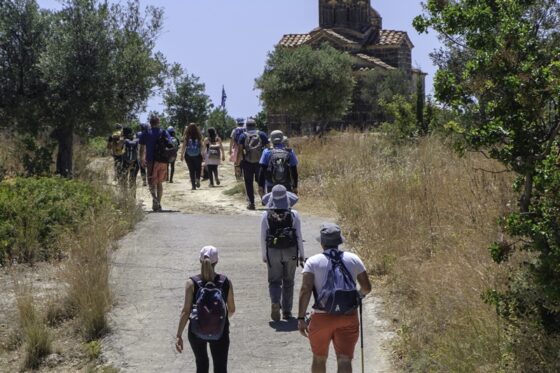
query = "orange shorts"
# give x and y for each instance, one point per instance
(343, 330)
(157, 173)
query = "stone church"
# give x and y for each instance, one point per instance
(354, 26)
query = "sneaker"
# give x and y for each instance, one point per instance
(251, 206)
(156, 206)
(275, 312)
(198, 183)
(287, 316)
(218, 181)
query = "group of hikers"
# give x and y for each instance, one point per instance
(331, 277)
(153, 152)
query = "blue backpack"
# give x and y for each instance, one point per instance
(339, 295)
(237, 133)
(209, 313)
(193, 148)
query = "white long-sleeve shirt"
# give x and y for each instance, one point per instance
(296, 225)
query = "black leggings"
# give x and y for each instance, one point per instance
(219, 350)
(213, 173)
(195, 168)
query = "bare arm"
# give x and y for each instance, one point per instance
(185, 313)
(365, 284)
(143, 155)
(222, 149)
(230, 301)
(304, 298)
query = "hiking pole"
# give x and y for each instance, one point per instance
(362, 334)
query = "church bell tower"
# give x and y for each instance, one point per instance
(350, 14)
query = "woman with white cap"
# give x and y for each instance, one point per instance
(206, 317)
(282, 248)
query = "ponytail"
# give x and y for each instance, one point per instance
(207, 270)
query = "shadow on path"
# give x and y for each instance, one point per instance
(284, 326)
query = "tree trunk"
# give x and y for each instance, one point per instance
(64, 158)
(525, 201)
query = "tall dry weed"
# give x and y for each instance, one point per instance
(37, 338)
(422, 218)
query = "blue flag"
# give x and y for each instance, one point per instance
(224, 97)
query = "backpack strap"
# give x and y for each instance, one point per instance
(336, 259)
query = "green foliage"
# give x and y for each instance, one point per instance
(93, 349)
(402, 124)
(79, 69)
(502, 74)
(381, 86)
(33, 211)
(186, 100)
(313, 84)
(221, 121)
(36, 158)
(262, 121)
(98, 145)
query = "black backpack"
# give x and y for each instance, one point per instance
(166, 151)
(279, 168)
(253, 147)
(281, 232)
(130, 156)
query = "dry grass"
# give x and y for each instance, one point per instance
(422, 219)
(37, 339)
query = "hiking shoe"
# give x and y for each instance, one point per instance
(251, 206)
(218, 181)
(287, 316)
(198, 183)
(275, 312)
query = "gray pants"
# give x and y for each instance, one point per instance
(282, 264)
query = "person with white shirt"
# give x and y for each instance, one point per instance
(324, 327)
(281, 248)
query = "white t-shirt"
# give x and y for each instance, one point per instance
(320, 266)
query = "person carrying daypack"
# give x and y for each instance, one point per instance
(281, 248)
(278, 166)
(156, 148)
(251, 144)
(234, 155)
(209, 304)
(115, 145)
(214, 154)
(171, 163)
(130, 163)
(331, 277)
(192, 153)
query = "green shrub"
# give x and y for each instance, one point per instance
(98, 146)
(33, 212)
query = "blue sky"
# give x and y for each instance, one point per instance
(225, 42)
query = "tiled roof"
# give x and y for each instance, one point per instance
(375, 61)
(294, 40)
(391, 37)
(386, 38)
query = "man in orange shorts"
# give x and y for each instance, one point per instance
(324, 327)
(156, 170)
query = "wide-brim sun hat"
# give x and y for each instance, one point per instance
(330, 235)
(280, 199)
(209, 252)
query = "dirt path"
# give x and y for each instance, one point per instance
(148, 282)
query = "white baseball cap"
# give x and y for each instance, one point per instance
(209, 252)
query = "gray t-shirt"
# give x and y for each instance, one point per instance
(320, 266)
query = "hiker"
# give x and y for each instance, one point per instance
(209, 303)
(115, 145)
(192, 153)
(214, 152)
(155, 146)
(331, 277)
(251, 146)
(171, 164)
(130, 164)
(144, 127)
(278, 166)
(281, 248)
(234, 155)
